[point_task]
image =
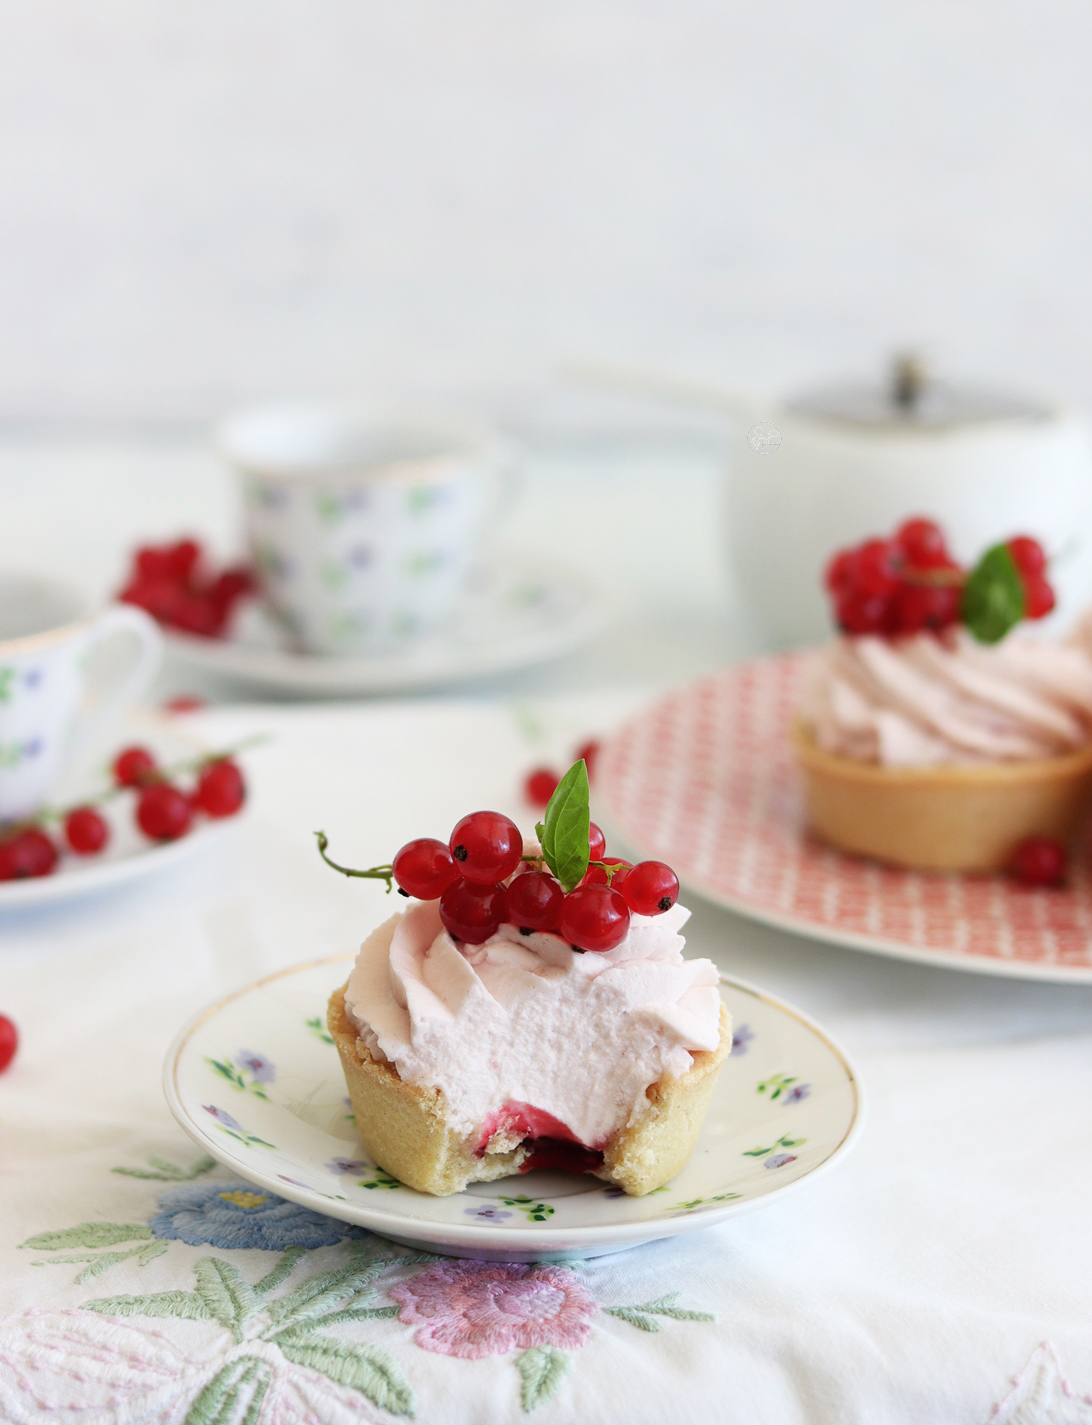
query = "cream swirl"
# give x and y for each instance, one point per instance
(523, 1020)
(926, 700)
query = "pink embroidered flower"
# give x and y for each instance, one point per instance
(475, 1309)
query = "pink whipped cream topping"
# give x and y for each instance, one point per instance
(927, 700)
(521, 1033)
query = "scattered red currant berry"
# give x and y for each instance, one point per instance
(650, 888)
(921, 544)
(9, 1042)
(184, 703)
(1028, 555)
(597, 842)
(840, 574)
(597, 876)
(487, 846)
(926, 606)
(133, 766)
(540, 786)
(220, 789)
(180, 559)
(534, 901)
(26, 854)
(86, 831)
(1038, 597)
(588, 753)
(425, 868)
(471, 911)
(163, 812)
(1039, 861)
(594, 918)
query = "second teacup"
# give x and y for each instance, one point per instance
(363, 523)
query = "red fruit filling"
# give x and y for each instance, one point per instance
(556, 1147)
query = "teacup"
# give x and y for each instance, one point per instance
(55, 703)
(363, 523)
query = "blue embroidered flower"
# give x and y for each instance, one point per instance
(741, 1037)
(798, 1092)
(779, 1160)
(240, 1215)
(263, 1069)
(491, 1214)
(349, 1167)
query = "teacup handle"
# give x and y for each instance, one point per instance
(118, 621)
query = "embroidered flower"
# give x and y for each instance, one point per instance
(741, 1037)
(491, 1214)
(263, 1069)
(348, 1167)
(222, 1116)
(239, 1215)
(474, 1309)
(798, 1092)
(779, 1160)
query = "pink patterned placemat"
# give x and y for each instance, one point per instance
(705, 779)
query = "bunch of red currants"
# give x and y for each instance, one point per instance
(478, 878)
(164, 811)
(176, 585)
(910, 582)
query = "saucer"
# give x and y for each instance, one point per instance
(256, 1081)
(706, 780)
(129, 855)
(518, 611)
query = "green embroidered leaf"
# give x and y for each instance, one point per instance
(993, 596)
(339, 1318)
(633, 1316)
(365, 1368)
(157, 1303)
(326, 1291)
(281, 1271)
(226, 1296)
(89, 1234)
(665, 1306)
(541, 1369)
(564, 832)
(221, 1401)
(168, 1172)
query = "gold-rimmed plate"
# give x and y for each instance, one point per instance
(256, 1082)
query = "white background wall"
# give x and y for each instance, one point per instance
(208, 200)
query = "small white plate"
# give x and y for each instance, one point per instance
(129, 854)
(519, 611)
(255, 1081)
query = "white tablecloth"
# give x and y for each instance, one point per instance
(942, 1274)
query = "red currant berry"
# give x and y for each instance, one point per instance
(163, 812)
(588, 753)
(858, 614)
(160, 597)
(540, 786)
(1038, 598)
(220, 789)
(877, 573)
(926, 606)
(180, 559)
(921, 544)
(1027, 555)
(133, 766)
(471, 911)
(651, 888)
(487, 846)
(197, 614)
(86, 831)
(534, 901)
(597, 842)
(229, 587)
(1039, 861)
(425, 868)
(9, 1041)
(594, 918)
(597, 876)
(840, 575)
(27, 854)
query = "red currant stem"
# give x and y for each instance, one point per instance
(610, 869)
(375, 873)
(933, 578)
(538, 861)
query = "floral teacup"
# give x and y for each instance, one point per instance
(57, 698)
(363, 524)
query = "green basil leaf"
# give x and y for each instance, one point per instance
(564, 833)
(993, 596)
